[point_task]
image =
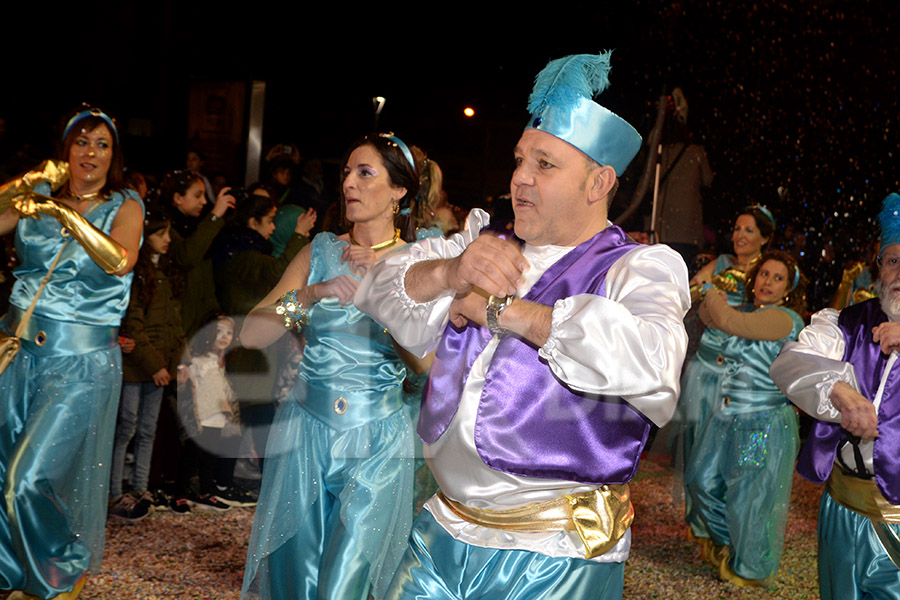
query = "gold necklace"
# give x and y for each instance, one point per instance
(92, 197)
(381, 245)
(746, 267)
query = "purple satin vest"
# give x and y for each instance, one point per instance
(817, 457)
(529, 422)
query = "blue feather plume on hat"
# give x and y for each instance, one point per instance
(889, 220)
(565, 81)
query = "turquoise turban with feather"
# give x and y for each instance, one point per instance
(562, 104)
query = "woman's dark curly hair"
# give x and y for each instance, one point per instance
(795, 299)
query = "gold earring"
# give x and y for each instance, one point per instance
(395, 206)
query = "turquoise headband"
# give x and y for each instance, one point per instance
(764, 211)
(403, 148)
(92, 112)
(796, 277)
(561, 105)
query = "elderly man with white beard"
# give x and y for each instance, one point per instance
(842, 372)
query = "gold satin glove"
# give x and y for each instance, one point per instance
(729, 279)
(105, 251)
(725, 281)
(852, 272)
(54, 172)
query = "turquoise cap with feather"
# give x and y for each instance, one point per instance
(889, 220)
(562, 105)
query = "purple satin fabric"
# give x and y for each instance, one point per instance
(817, 458)
(529, 423)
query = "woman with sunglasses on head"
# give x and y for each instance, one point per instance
(339, 450)
(739, 477)
(60, 393)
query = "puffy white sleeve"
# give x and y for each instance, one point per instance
(417, 326)
(632, 342)
(806, 370)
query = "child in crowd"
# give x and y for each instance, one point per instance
(211, 421)
(153, 322)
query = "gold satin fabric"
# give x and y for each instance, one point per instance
(862, 496)
(54, 172)
(600, 517)
(105, 251)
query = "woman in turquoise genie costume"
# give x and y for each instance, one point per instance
(753, 230)
(59, 396)
(739, 477)
(335, 505)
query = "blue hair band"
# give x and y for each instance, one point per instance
(404, 211)
(403, 147)
(92, 112)
(764, 211)
(796, 277)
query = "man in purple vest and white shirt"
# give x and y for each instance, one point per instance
(563, 350)
(842, 372)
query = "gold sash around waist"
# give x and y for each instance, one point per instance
(600, 517)
(861, 496)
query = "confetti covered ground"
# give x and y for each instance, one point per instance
(201, 556)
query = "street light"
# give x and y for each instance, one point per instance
(378, 104)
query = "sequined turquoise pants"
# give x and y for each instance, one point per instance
(739, 481)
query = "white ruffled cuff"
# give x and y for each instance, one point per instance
(562, 310)
(825, 407)
(419, 308)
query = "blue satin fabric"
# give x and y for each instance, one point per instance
(699, 392)
(345, 349)
(852, 563)
(58, 411)
(597, 131)
(335, 506)
(78, 291)
(739, 477)
(57, 338)
(438, 567)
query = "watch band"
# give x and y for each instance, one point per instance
(495, 306)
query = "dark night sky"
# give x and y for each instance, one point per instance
(798, 94)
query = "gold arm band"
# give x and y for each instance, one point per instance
(105, 251)
(862, 496)
(54, 172)
(599, 517)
